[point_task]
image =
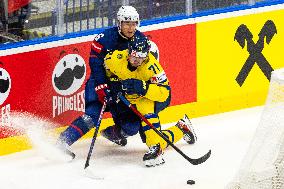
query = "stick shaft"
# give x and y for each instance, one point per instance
(95, 135)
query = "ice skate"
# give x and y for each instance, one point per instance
(154, 156)
(65, 149)
(186, 127)
(112, 134)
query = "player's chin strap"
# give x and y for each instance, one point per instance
(119, 31)
(121, 34)
(192, 161)
(95, 134)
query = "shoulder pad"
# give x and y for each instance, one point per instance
(107, 38)
(116, 55)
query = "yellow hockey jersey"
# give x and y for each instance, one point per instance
(150, 71)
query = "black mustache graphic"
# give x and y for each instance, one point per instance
(65, 80)
(4, 85)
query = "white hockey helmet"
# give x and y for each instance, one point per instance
(127, 13)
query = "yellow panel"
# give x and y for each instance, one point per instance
(14, 144)
(220, 59)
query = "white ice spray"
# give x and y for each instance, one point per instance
(40, 133)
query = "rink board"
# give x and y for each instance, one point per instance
(201, 57)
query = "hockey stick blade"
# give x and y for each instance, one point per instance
(201, 159)
(197, 161)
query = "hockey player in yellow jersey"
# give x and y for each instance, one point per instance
(141, 78)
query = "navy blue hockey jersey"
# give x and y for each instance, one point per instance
(105, 42)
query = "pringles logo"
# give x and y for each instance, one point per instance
(68, 77)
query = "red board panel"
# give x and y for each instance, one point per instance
(50, 82)
(177, 48)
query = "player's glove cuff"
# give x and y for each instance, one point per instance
(103, 92)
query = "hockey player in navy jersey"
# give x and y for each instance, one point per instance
(97, 89)
(139, 76)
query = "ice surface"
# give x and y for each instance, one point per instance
(112, 166)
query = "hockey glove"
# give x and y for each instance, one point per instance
(115, 90)
(115, 87)
(103, 93)
(135, 86)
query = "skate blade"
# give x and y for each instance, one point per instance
(153, 162)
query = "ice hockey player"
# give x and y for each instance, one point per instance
(141, 78)
(96, 89)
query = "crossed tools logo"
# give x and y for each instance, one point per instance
(5, 87)
(243, 35)
(67, 78)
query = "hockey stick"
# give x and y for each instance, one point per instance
(192, 161)
(95, 135)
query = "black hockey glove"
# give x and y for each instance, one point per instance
(115, 89)
(135, 86)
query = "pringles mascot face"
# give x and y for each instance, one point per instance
(69, 74)
(5, 85)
